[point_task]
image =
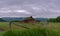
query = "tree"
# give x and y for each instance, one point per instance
(58, 19)
(52, 20)
(15, 21)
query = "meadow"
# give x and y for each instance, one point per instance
(35, 29)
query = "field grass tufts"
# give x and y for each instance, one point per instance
(32, 32)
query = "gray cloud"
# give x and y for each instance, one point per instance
(36, 8)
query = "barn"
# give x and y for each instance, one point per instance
(30, 20)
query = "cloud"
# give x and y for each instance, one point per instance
(36, 8)
(22, 11)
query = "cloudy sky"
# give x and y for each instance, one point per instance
(35, 8)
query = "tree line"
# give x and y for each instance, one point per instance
(54, 19)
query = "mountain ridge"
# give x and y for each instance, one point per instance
(21, 18)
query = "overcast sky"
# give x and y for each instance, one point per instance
(35, 8)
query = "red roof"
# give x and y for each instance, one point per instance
(30, 19)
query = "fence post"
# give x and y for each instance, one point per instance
(10, 25)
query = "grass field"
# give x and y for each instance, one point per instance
(50, 29)
(5, 25)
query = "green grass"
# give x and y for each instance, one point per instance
(5, 26)
(41, 29)
(32, 32)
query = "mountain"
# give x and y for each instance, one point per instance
(12, 18)
(2, 20)
(42, 19)
(22, 18)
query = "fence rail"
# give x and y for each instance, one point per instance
(17, 25)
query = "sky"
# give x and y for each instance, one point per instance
(35, 8)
